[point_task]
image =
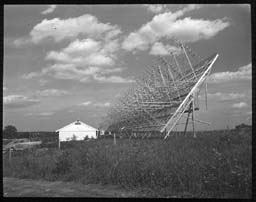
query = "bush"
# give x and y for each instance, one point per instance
(216, 165)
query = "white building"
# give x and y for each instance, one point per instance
(76, 130)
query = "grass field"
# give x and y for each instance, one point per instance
(14, 187)
(214, 165)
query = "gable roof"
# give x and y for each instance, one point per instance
(76, 126)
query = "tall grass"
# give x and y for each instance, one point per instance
(217, 165)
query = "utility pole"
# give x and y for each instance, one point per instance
(114, 138)
(59, 140)
(10, 155)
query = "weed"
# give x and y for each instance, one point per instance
(216, 165)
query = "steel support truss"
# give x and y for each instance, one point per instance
(162, 95)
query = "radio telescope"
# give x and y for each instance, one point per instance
(163, 94)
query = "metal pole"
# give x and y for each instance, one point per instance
(162, 76)
(59, 142)
(114, 138)
(189, 60)
(177, 64)
(193, 111)
(170, 72)
(206, 94)
(10, 155)
(189, 112)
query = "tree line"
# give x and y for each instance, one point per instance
(10, 132)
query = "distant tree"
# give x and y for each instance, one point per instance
(74, 137)
(242, 126)
(10, 132)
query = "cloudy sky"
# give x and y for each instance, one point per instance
(68, 62)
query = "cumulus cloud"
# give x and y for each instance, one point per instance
(246, 68)
(244, 6)
(135, 41)
(91, 54)
(83, 52)
(42, 82)
(160, 8)
(60, 29)
(21, 41)
(240, 105)
(85, 103)
(159, 49)
(31, 75)
(243, 73)
(168, 25)
(52, 92)
(156, 8)
(249, 113)
(99, 104)
(87, 45)
(83, 60)
(96, 104)
(112, 70)
(71, 72)
(44, 114)
(191, 30)
(50, 9)
(191, 7)
(18, 101)
(112, 79)
(227, 96)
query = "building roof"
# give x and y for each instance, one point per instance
(76, 126)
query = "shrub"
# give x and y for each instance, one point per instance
(215, 165)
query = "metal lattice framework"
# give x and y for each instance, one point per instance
(163, 93)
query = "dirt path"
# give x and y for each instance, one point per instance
(14, 187)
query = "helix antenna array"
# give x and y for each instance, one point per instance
(163, 94)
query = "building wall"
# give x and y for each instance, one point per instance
(68, 135)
